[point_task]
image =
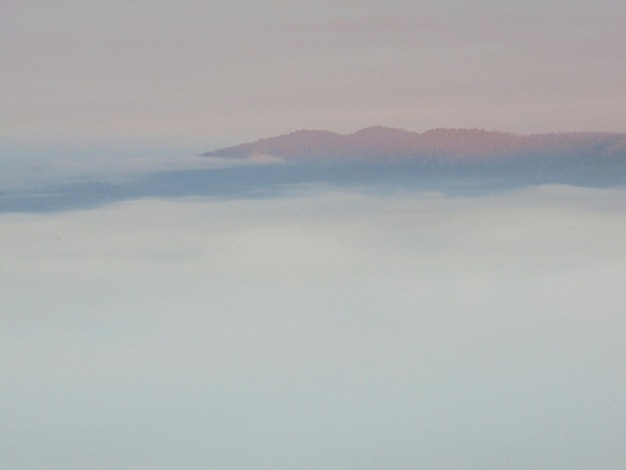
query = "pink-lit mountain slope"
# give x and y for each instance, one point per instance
(384, 143)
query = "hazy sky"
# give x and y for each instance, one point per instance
(193, 75)
(324, 329)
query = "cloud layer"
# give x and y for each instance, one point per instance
(323, 329)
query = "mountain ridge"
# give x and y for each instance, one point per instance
(389, 143)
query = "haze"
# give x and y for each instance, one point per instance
(191, 76)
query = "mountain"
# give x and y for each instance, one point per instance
(447, 145)
(447, 161)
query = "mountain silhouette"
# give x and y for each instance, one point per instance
(392, 144)
(448, 161)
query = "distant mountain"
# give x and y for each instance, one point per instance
(445, 145)
(447, 161)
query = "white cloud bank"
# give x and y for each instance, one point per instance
(320, 330)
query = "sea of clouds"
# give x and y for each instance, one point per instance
(322, 328)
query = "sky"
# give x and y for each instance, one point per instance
(326, 328)
(159, 76)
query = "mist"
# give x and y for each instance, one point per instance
(323, 327)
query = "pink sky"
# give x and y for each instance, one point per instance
(222, 72)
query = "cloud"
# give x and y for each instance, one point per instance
(38, 175)
(321, 329)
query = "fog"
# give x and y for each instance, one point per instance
(25, 175)
(322, 328)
